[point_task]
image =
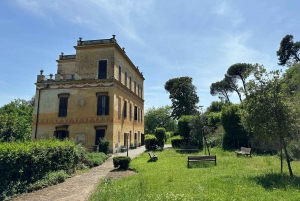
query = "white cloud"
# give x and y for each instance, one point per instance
(94, 14)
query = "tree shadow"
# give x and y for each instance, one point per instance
(274, 181)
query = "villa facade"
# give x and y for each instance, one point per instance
(97, 92)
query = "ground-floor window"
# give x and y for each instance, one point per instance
(61, 134)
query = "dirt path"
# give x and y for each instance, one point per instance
(80, 187)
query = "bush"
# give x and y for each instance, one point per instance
(104, 145)
(27, 162)
(51, 178)
(177, 142)
(294, 150)
(235, 135)
(183, 126)
(150, 141)
(95, 159)
(121, 162)
(160, 134)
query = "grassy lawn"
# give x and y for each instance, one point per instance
(233, 178)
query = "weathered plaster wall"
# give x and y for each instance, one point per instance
(87, 62)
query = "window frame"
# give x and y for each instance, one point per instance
(102, 74)
(102, 110)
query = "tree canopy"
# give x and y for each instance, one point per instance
(159, 117)
(183, 96)
(266, 112)
(288, 52)
(222, 89)
(16, 121)
(240, 71)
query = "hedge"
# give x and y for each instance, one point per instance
(22, 164)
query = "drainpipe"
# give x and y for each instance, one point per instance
(37, 115)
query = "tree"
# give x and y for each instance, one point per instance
(183, 96)
(16, 121)
(232, 81)
(240, 71)
(222, 89)
(266, 112)
(159, 117)
(288, 52)
(215, 106)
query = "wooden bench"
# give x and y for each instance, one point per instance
(153, 157)
(244, 151)
(201, 159)
(188, 148)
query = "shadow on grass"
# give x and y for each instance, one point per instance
(123, 170)
(207, 164)
(274, 181)
(186, 151)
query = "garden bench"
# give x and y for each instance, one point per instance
(244, 151)
(201, 159)
(153, 157)
(189, 148)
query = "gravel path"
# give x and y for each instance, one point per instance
(80, 187)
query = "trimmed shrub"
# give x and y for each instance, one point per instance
(121, 162)
(27, 162)
(235, 135)
(160, 134)
(177, 142)
(183, 126)
(150, 141)
(51, 178)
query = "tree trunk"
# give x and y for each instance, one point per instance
(287, 157)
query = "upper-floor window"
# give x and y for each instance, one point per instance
(125, 79)
(125, 108)
(102, 104)
(119, 108)
(135, 113)
(63, 105)
(130, 111)
(134, 87)
(130, 80)
(138, 89)
(120, 74)
(102, 69)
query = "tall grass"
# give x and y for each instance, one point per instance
(233, 178)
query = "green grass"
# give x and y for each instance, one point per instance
(234, 178)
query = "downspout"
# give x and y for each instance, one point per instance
(37, 114)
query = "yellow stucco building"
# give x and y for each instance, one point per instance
(97, 92)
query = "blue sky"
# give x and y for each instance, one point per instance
(166, 39)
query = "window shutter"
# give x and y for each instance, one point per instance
(102, 69)
(106, 105)
(125, 109)
(99, 105)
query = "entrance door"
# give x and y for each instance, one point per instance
(99, 134)
(142, 139)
